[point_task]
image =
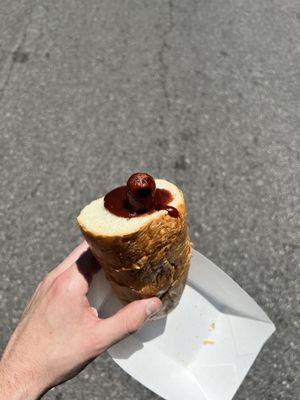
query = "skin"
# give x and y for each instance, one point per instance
(59, 333)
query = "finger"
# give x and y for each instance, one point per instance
(87, 265)
(94, 311)
(69, 260)
(75, 253)
(65, 264)
(77, 278)
(126, 321)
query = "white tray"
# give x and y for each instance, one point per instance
(204, 348)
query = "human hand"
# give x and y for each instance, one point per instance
(59, 333)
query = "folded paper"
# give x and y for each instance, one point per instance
(213, 336)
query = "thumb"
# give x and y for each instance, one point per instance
(127, 320)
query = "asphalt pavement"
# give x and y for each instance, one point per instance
(203, 93)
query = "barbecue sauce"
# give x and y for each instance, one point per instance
(139, 197)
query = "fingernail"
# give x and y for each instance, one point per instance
(152, 307)
(94, 311)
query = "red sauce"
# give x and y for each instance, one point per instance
(117, 203)
(141, 189)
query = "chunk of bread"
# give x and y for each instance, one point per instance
(144, 256)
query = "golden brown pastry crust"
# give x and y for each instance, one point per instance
(153, 261)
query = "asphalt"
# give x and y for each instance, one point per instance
(203, 93)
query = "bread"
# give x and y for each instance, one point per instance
(145, 256)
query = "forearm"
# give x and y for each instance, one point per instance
(18, 383)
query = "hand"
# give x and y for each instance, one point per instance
(59, 333)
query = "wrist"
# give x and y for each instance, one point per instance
(19, 383)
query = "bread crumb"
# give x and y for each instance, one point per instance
(212, 327)
(208, 341)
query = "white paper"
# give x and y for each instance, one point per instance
(204, 348)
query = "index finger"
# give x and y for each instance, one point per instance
(79, 275)
(67, 262)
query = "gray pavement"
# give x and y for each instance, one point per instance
(203, 93)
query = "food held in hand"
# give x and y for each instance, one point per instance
(139, 235)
